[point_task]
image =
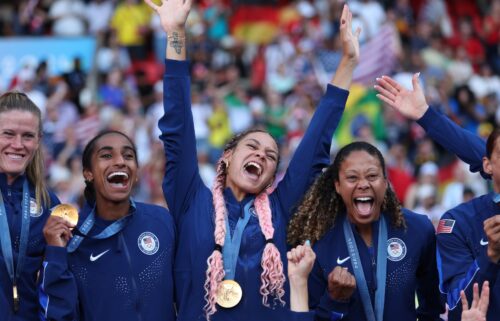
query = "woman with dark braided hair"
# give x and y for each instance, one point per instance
(363, 240)
(238, 228)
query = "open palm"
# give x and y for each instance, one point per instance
(350, 40)
(173, 13)
(410, 103)
(479, 305)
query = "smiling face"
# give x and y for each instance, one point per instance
(252, 164)
(362, 186)
(19, 140)
(113, 168)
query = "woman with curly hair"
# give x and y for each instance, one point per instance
(369, 250)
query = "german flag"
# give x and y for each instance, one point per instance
(258, 21)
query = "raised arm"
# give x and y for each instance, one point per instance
(412, 105)
(313, 153)
(177, 130)
(300, 263)
(459, 268)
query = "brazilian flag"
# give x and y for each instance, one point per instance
(362, 102)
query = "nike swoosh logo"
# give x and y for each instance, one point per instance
(483, 242)
(95, 258)
(339, 261)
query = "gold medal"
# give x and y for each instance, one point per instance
(229, 294)
(67, 212)
(15, 298)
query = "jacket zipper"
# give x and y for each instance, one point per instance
(134, 283)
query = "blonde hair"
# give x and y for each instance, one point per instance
(35, 169)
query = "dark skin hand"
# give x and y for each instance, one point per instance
(341, 284)
(57, 231)
(492, 230)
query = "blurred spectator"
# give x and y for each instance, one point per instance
(427, 203)
(216, 16)
(130, 21)
(26, 84)
(68, 17)
(220, 130)
(113, 92)
(371, 13)
(110, 55)
(30, 18)
(427, 175)
(98, 14)
(453, 194)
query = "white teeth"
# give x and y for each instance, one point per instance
(259, 168)
(15, 156)
(363, 199)
(117, 174)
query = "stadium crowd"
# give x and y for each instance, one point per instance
(243, 76)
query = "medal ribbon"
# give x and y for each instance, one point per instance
(232, 246)
(359, 275)
(6, 241)
(89, 222)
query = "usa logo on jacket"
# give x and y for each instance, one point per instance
(396, 249)
(148, 243)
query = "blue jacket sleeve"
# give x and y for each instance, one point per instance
(459, 268)
(177, 134)
(453, 138)
(429, 298)
(325, 308)
(313, 152)
(58, 293)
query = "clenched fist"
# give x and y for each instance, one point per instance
(341, 284)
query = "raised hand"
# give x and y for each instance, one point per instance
(57, 231)
(350, 51)
(410, 103)
(350, 40)
(479, 305)
(341, 284)
(300, 262)
(173, 13)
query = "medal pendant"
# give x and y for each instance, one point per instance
(229, 294)
(67, 212)
(15, 297)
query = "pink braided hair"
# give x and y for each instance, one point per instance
(272, 276)
(215, 271)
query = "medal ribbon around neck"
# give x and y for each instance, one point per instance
(7, 245)
(359, 275)
(229, 292)
(116, 227)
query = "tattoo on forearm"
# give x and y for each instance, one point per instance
(176, 42)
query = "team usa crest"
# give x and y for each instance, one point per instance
(34, 211)
(148, 243)
(396, 249)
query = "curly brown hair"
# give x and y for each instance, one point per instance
(321, 204)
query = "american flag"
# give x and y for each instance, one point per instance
(378, 56)
(445, 226)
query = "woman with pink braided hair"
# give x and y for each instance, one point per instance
(239, 227)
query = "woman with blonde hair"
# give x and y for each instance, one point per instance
(24, 206)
